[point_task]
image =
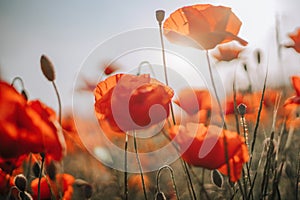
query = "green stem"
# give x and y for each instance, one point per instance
(139, 164)
(221, 113)
(59, 102)
(125, 168)
(165, 68)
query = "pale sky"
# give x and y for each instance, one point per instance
(67, 31)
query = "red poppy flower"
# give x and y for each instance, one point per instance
(296, 98)
(203, 26)
(296, 38)
(193, 100)
(27, 126)
(204, 147)
(131, 102)
(227, 53)
(62, 183)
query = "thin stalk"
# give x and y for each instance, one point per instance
(125, 168)
(298, 176)
(258, 119)
(59, 102)
(241, 189)
(184, 166)
(172, 177)
(139, 164)
(201, 182)
(221, 113)
(40, 176)
(165, 67)
(235, 106)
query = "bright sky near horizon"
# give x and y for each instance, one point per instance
(67, 31)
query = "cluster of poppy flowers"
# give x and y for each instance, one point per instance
(129, 102)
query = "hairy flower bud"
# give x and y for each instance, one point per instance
(47, 68)
(160, 15)
(21, 182)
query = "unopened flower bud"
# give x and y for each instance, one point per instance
(242, 108)
(160, 15)
(21, 182)
(47, 68)
(25, 196)
(51, 170)
(160, 196)
(36, 169)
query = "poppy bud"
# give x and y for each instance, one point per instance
(242, 108)
(160, 15)
(47, 68)
(217, 178)
(160, 196)
(51, 170)
(36, 169)
(85, 188)
(258, 56)
(21, 182)
(24, 93)
(245, 67)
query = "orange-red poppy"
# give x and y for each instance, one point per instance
(27, 126)
(193, 100)
(109, 69)
(296, 98)
(203, 26)
(227, 52)
(296, 39)
(204, 147)
(130, 102)
(62, 183)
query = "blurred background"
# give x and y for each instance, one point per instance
(67, 31)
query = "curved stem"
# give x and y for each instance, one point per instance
(150, 66)
(59, 102)
(184, 166)
(125, 168)
(139, 164)
(172, 177)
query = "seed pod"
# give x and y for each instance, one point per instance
(51, 170)
(160, 15)
(242, 109)
(21, 182)
(217, 178)
(47, 68)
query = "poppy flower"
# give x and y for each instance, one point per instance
(227, 53)
(62, 183)
(204, 147)
(203, 26)
(27, 126)
(130, 102)
(296, 39)
(193, 100)
(109, 69)
(296, 98)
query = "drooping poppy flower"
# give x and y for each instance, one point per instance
(204, 147)
(131, 102)
(296, 39)
(27, 126)
(62, 183)
(203, 26)
(227, 53)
